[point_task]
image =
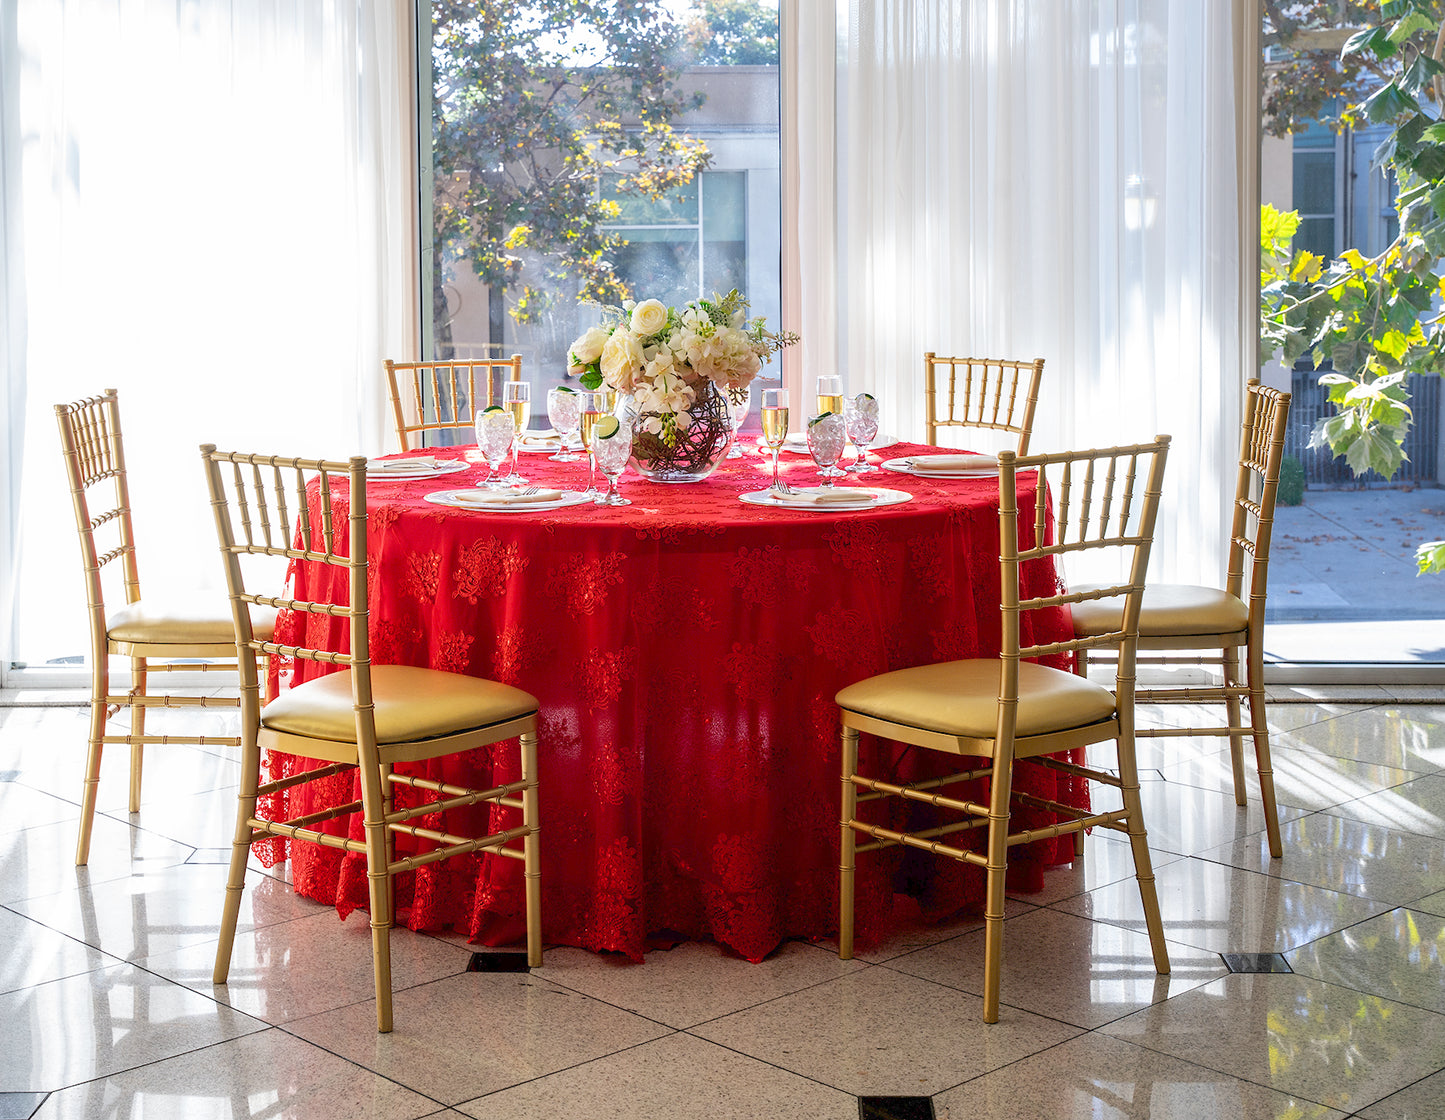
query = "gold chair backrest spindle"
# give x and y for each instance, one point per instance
(992, 394)
(445, 395)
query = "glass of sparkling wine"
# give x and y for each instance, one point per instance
(591, 412)
(564, 410)
(775, 428)
(830, 394)
(495, 435)
(517, 399)
(827, 436)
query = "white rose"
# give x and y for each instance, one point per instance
(648, 317)
(588, 348)
(621, 360)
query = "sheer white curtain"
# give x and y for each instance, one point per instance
(1056, 180)
(215, 202)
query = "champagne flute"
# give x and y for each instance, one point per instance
(775, 429)
(517, 399)
(592, 411)
(564, 410)
(827, 436)
(496, 433)
(830, 394)
(740, 399)
(861, 415)
(612, 444)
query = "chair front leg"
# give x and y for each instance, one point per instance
(137, 728)
(847, 844)
(1230, 662)
(99, 709)
(1259, 724)
(531, 855)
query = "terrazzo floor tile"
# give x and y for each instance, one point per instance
(691, 983)
(200, 820)
(911, 934)
(269, 1074)
(162, 911)
(1346, 855)
(24, 807)
(675, 1078)
(1296, 1035)
(304, 967)
(1432, 904)
(1399, 956)
(1424, 1100)
(1404, 737)
(1417, 806)
(101, 1023)
(1108, 858)
(35, 954)
(1184, 820)
(880, 1032)
(1226, 910)
(1095, 1077)
(465, 1036)
(1302, 779)
(1096, 972)
(40, 861)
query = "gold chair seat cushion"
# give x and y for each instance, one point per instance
(411, 704)
(1168, 609)
(961, 698)
(183, 621)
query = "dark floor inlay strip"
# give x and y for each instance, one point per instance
(498, 962)
(895, 1108)
(1256, 962)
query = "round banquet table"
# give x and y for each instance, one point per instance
(685, 651)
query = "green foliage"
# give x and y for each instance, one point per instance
(1291, 490)
(1430, 557)
(532, 102)
(733, 33)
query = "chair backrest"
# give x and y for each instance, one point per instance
(444, 396)
(1266, 412)
(95, 467)
(989, 393)
(269, 506)
(1084, 501)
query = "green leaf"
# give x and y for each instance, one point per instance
(1387, 103)
(1370, 39)
(590, 380)
(1407, 26)
(1392, 343)
(1375, 451)
(1430, 557)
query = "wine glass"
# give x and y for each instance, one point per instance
(740, 399)
(830, 394)
(591, 412)
(827, 436)
(860, 413)
(496, 433)
(612, 451)
(517, 400)
(775, 429)
(564, 410)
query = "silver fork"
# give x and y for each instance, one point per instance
(528, 491)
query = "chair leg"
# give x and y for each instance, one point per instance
(137, 728)
(378, 872)
(1139, 848)
(1230, 661)
(847, 845)
(240, 853)
(531, 856)
(99, 691)
(388, 803)
(1259, 724)
(1001, 789)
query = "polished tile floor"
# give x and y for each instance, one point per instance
(107, 1009)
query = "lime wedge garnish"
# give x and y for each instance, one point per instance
(565, 389)
(817, 419)
(606, 427)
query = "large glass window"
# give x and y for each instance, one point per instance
(592, 154)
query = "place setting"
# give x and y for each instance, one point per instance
(411, 468)
(945, 466)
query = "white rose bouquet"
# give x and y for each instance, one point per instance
(664, 357)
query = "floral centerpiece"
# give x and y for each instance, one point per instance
(681, 370)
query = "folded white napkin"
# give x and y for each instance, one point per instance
(834, 496)
(953, 462)
(402, 466)
(548, 436)
(504, 497)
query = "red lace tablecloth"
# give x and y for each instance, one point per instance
(685, 651)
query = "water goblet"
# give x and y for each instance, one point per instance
(775, 429)
(517, 400)
(827, 436)
(612, 444)
(592, 411)
(740, 399)
(861, 415)
(564, 410)
(496, 433)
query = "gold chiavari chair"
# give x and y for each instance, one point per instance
(158, 635)
(988, 393)
(364, 718)
(1003, 709)
(444, 396)
(1215, 624)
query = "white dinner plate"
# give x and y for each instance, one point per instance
(538, 444)
(398, 474)
(803, 499)
(797, 444)
(903, 466)
(456, 500)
